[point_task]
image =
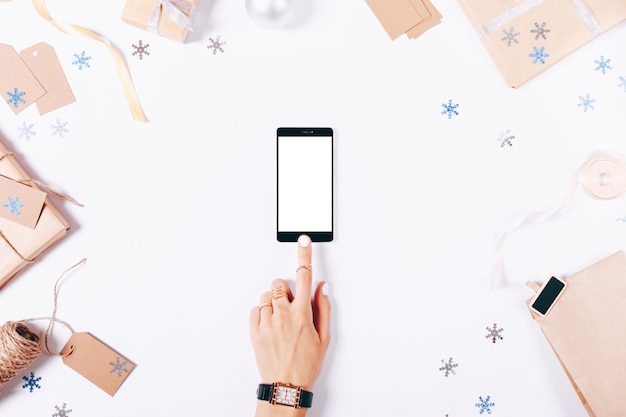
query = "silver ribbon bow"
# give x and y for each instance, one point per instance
(180, 11)
(588, 19)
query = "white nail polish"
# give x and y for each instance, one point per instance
(325, 289)
(304, 241)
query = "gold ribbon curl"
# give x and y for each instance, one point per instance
(120, 64)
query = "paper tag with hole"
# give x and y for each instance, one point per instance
(43, 62)
(20, 203)
(96, 361)
(19, 87)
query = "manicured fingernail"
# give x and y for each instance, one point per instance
(304, 241)
(325, 289)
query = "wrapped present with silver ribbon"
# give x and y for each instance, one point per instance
(171, 19)
(525, 37)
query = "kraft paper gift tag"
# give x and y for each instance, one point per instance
(22, 203)
(43, 62)
(96, 361)
(586, 328)
(18, 85)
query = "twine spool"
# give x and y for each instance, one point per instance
(19, 348)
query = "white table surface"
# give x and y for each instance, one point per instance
(178, 226)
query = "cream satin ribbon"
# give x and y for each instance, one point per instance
(602, 176)
(586, 16)
(120, 64)
(180, 11)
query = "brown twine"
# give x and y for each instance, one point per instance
(31, 181)
(15, 249)
(20, 347)
(50, 190)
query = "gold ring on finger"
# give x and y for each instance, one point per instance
(265, 305)
(307, 267)
(278, 293)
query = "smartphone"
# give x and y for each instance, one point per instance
(548, 295)
(304, 178)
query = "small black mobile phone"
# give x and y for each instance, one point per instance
(304, 178)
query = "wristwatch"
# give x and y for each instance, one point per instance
(284, 394)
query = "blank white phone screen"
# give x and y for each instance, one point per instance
(305, 200)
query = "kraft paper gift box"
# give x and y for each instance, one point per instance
(20, 245)
(586, 328)
(526, 37)
(171, 19)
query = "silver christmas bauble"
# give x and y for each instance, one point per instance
(270, 13)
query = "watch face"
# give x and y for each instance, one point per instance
(286, 395)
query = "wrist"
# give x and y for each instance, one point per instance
(265, 409)
(281, 399)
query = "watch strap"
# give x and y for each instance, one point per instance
(306, 399)
(264, 392)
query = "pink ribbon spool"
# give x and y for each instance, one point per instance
(604, 178)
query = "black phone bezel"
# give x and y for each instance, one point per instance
(319, 236)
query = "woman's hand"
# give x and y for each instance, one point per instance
(290, 333)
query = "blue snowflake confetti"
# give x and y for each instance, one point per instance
(32, 382)
(450, 109)
(622, 83)
(510, 36)
(62, 411)
(621, 219)
(26, 130)
(540, 31)
(118, 367)
(59, 129)
(216, 45)
(485, 404)
(603, 64)
(82, 60)
(448, 367)
(14, 206)
(494, 333)
(586, 102)
(15, 97)
(539, 55)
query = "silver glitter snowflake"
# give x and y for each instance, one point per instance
(510, 36)
(140, 50)
(216, 45)
(59, 129)
(62, 411)
(506, 138)
(118, 367)
(494, 333)
(540, 31)
(26, 130)
(448, 367)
